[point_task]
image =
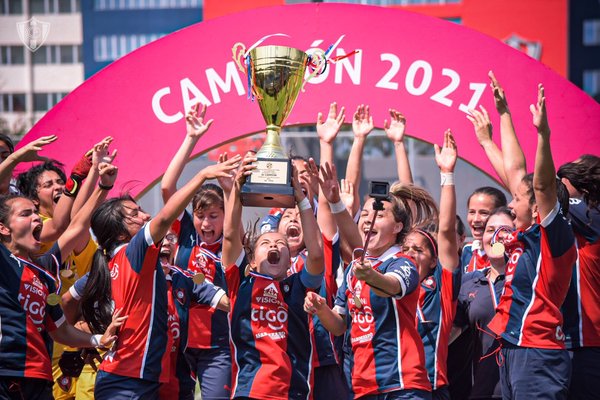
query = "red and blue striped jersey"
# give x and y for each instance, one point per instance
(270, 339)
(538, 273)
(581, 309)
(386, 349)
(139, 287)
(325, 352)
(435, 313)
(473, 258)
(209, 328)
(25, 317)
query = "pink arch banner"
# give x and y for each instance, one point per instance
(431, 70)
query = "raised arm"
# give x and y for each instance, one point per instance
(81, 222)
(331, 320)
(446, 161)
(196, 126)
(362, 125)
(395, 132)
(232, 224)
(27, 153)
(513, 158)
(160, 224)
(544, 174)
(315, 260)
(327, 131)
(483, 131)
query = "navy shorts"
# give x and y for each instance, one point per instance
(400, 395)
(213, 370)
(25, 388)
(528, 373)
(116, 387)
(586, 374)
(330, 383)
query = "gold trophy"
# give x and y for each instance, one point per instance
(275, 77)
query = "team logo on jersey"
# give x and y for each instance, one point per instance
(286, 288)
(274, 318)
(511, 265)
(114, 271)
(573, 201)
(200, 262)
(64, 383)
(180, 296)
(271, 291)
(37, 282)
(174, 326)
(560, 336)
(429, 283)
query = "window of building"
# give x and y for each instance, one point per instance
(104, 5)
(12, 55)
(112, 47)
(55, 6)
(382, 2)
(45, 101)
(11, 7)
(13, 102)
(591, 82)
(66, 54)
(591, 32)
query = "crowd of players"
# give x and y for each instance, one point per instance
(332, 299)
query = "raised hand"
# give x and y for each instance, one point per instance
(108, 174)
(195, 124)
(347, 194)
(329, 183)
(363, 270)
(447, 155)
(313, 303)
(226, 183)
(538, 111)
(29, 152)
(396, 127)
(499, 95)
(222, 170)
(245, 168)
(482, 125)
(328, 129)
(362, 122)
(110, 335)
(100, 152)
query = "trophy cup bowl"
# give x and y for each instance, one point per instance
(276, 74)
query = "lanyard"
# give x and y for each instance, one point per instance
(197, 278)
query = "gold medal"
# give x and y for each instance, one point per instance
(357, 301)
(66, 273)
(53, 299)
(198, 278)
(498, 249)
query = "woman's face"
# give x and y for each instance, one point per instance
(209, 223)
(415, 246)
(291, 227)
(479, 208)
(50, 187)
(524, 213)
(493, 223)
(23, 227)
(134, 217)
(271, 255)
(385, 228)
(168, 246)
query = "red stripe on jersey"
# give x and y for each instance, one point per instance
(478, 262)
(589, 291)
(448, 313)
(170, 390)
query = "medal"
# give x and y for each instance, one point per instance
(53, 299)
(357, 301)
(498, 249)
(198, 278)
(66, 273)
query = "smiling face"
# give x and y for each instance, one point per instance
(291, 228)
(417, 247)
(134, 217)
(523, 211)
(271, 255)
(23, 227)
(493, 223)
(50, 187)
(208, 222)
(385, 228)
(479, 208)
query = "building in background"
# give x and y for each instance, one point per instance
(32, 82)
(584, 45)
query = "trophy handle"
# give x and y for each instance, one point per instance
(238, 51)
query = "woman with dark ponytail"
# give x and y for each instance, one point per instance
(127, 274)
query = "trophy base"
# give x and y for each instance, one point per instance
(266, 195)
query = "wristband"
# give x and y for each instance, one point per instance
(338, 207)
(447, 178)
(72, 186)
(304, 205)
(95, 340)
(105, 187)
